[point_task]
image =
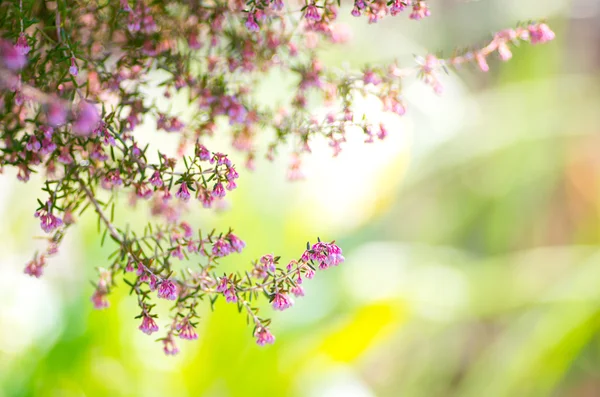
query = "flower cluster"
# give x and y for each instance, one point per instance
(74, 84)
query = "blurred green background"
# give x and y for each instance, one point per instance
(471, 237)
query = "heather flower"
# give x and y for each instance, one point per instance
(312, 13)
(251, 24)
(297, 290)
(281, 301)
(99, 300)
(177, 252)
(370, 77)
(22, 46)
(218, 190)
(183, 193)
(156, 180)
(11, 57)
(481, 62)
(420, 10)
(504, 51)
(188, 232)
(35, 267)
(236, 243)
(221, 248)
(540, 33)
(227, 289)
(203, 153)
(167, 290)
(268, 261)
(186, 331)
(48, 222)
(33, 145)
(73, 68)
(263, 336)
(169, 346)
(148, 325)
(143, 191)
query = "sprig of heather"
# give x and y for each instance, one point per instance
(74, 80)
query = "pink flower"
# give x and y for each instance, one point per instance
(73, 68)
(297, 290)
(22, 46)
(202, 153)
(156, 180)
(218, 190)
(370, 77)
(177, 253)
(268, 261)
(236, 243)
(482, 62)
(148, 325)
(183, 193)
(251, 24)
(86, 120)
(221, 248)
(420, 10)
(325, 254)
(397, 6)
(263, 336)
(48, 222)
(169, 346)
(99, 300)
(227, 288)
(277, 5)
(188, 232)
(281, 301)
(312, 13)
(143, 191)
(35, 268)
(11, 57)
(167, 290)
(186, 331)
(504, 51)
(540, 33)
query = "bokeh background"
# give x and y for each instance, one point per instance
(471, 236)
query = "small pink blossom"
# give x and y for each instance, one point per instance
(22, 46)
(540, 33)
(221, 248)
(11, 57)
(35, 268)
(236, 243)
(73, 68)
(183, 193)
(263, 336)
(297, 291)
(156, 180)
(99, 300)
(187, 331)
(251, 24)
(167, 290)
(282, 301)
(148, 325)
(312, 13)
(169, 346)
(218, 190)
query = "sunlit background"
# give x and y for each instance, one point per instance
(471, 238)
